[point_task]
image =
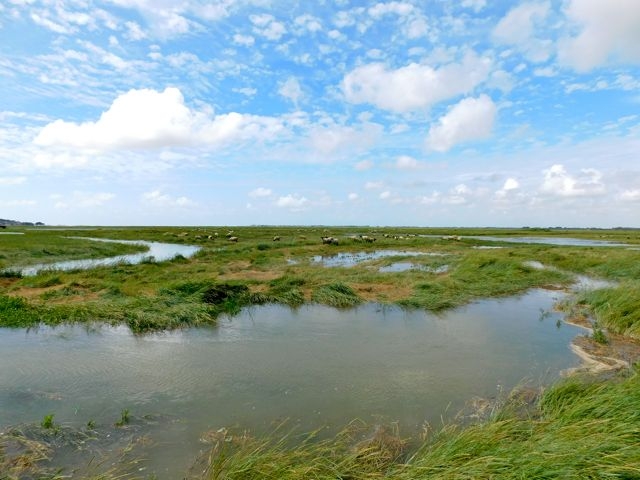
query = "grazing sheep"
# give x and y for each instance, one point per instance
(276, 238)
(209, 237)
(330, 240)
(229, 234)
(233, 239)
(368, 239)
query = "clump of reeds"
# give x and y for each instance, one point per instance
(336, 295)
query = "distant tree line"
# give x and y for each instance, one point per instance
(5, 223)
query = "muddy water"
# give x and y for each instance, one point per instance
(316, 366)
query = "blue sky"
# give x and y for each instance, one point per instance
(239, 112)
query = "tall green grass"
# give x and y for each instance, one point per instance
(581, 428)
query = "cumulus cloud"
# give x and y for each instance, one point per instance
(260, 192)
(293, 202)
(291, 90)
(405, 162)
(363, 165)
(396, 8)
(147, 118)
(510, 185)
(353, 196)
(244, 40)
(518, 28)
(373, 185)
(630, 195)
(267, 26)
(327, 142)
(414, 86)
(80, 199)
(159, 199)
(609, 33)
(470, 119)
(559, 182)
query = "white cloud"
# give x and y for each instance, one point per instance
(353, 196)
(415, 86)
(329, 142)
(308, 23)
(244, 40)
(476, 5)
(292, 202)
(12, 180)
(47, 160)
(558, 182)
(373, 185)
(517, 28)
(158, 199)
(384, 195)
(610, 34)
(405, 162)
(630, 195)
(267, 26)
(260, 192)
(134, 31)
(458, 195)
(291, 90)
(17, 203)
(363, 165)
(80, 199)
(146, 118)
(510, 185)
(469, 119)
(397, 8)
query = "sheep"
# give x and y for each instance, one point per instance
(276, 238)
(330, 240)
(233, 239)
(368, 239)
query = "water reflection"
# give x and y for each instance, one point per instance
(350, 259)
(314, 366)
(157, 251)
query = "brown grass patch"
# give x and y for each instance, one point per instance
(385, 292)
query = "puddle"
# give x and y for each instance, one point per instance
(563, 241)
(11, 233)
(157, 251)
(406, 266)
(350, 259)
(315, 366)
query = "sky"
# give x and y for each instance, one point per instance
(283, 112)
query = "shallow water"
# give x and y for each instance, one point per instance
(11, 233)
(350, 259)
(407, 266)
(315, 365)
(563, 241)
(158, 251)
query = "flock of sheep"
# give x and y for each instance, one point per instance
(326, 240)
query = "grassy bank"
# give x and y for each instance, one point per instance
(579, 429)
(157, 295)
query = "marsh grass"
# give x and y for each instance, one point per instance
(336, 295)
(160, 295)
(581, 428)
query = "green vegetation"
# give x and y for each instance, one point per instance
(580, 428)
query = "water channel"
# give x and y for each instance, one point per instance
(316, 366)
(157, 251)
